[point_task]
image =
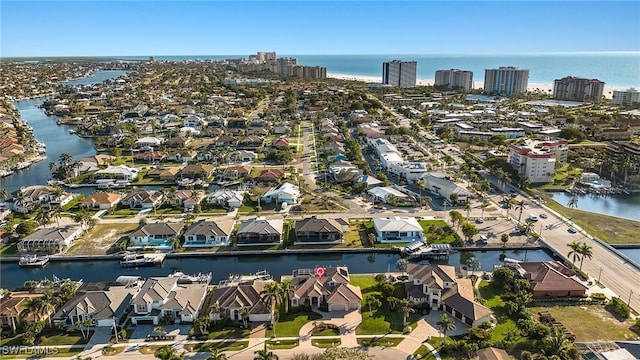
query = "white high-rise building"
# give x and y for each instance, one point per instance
(506, 80)
(536, 160)
(625, 97)
(399, 73)
(455, 79)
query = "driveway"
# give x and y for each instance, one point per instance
(140, 332)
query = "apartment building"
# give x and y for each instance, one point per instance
(399, 73)
(625, 97)
(536, 160)
(578, 89)
(454, 79)
(506, 80)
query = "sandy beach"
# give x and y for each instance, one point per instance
(608, 90)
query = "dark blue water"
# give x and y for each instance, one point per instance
(56, 137)
(633, 254)
(615, 69)
(107, 270)
(623, 206)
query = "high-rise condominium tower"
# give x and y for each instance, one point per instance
(455, 79)
(399, 73)
(506, 80)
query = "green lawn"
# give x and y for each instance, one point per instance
(383, 320)
(282, 344)
(326, 343)
(491, 294)
(51, 353)
(227, 332)
(438, 232)
(57, 337)
(9, 250)
(290, 324)
(381, 341)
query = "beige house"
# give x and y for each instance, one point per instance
(11, 307)
(312, 287)
(439, 286)
(229, 300)
(101, 200)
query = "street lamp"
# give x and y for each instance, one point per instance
(599, 274)
(115, 329)
(630, 293)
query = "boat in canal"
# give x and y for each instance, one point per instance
(141, 260)
(33, 260)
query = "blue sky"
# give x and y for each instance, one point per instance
(97, 28)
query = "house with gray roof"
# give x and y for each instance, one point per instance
(100, 304)
(167, 298)
(397, 229)
(260, 231)
(209, 233)
(230, 300)
(226, 198)
(319, 231)
(50, 239)
(159, 236)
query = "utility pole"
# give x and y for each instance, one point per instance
(599, 274)
(115, 329)
(630, 293)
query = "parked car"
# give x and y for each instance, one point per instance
(479, 220)
(572, 230)
(543, 216)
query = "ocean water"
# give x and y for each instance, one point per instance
(620, 70)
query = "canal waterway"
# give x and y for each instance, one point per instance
(12, 276)
(622, 206)
(56, 137)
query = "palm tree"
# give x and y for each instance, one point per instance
(485, 204)
(575, 251)
(4, 193)
(46, 305)
(586, 251)
(244, 315)
(168, 353)
(285, 293)
(445, 324)
(406, 310)
(521, 206)
(216, 354)
(505, 239)
(203, 323)
(271, 297)
(215, 310)
(420, 185)
(508, 205)
(56, 213)
(467, 207)
(43, 217)
(265, 354)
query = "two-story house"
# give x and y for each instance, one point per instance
(169, 299)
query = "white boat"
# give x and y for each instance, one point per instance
(139, 260)
(33, 261)
(72, 131)
(184, 278)
(433, 250)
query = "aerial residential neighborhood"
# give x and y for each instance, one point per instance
(310, 207)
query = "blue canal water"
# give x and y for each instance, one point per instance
(622, 206)
(12, 276)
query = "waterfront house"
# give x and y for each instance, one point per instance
(442, 288)
(271, 175)
(229, 199)
(12, 306)
(158, 236)
(145, 199)
(164, 174)
(229, 299)
(260, 231)
(551, 279)
(28, 198)
(55, 239)
(197, 171)
(120, 172)
(312, 287)
(319, 231)
(101, 200)
(100, 302)
(167, 300)
(283, 193)
(236, 172)
(209, 233)
(397, 229)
